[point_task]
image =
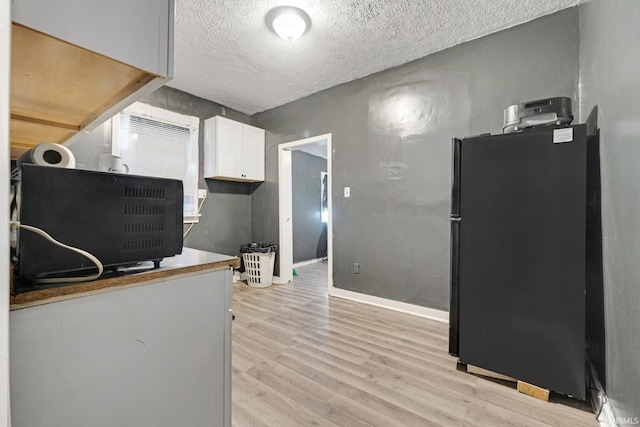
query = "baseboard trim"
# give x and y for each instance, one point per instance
(606, 417)
(278, 281)
(311, 261)
(416, 310)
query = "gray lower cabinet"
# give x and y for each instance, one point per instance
(151, 355)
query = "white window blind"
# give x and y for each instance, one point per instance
(160, 143)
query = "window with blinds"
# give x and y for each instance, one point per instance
(156, 142)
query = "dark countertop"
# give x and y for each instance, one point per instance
(191, 261)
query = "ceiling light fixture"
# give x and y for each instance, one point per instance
(288, 22)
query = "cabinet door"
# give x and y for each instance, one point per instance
(253, 153)
(229, 148)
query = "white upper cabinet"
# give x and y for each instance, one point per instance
(233, 151)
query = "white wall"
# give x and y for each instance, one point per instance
(5, 57)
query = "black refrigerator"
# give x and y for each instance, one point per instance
(518, 255)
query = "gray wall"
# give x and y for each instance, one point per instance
(226, 214)
(309, 234)
(610, 80)
(391, 135)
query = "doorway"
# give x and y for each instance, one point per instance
(285, 192)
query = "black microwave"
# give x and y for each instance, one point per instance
(120, 219)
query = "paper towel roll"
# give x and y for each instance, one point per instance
(49, 154)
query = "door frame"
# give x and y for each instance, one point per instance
(285, 193)
(5, 271)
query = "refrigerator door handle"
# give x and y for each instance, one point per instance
(454, 307)
(456, 175)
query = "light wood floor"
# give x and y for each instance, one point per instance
(301, 358)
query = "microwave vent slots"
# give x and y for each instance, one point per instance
(148, 193)
(144, 227)
(143, 244)
(144, 210)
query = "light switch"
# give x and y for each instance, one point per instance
(347, 191)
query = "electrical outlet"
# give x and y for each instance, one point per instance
(356, 268)
(202, 193)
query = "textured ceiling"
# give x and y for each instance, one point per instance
(225, 53)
